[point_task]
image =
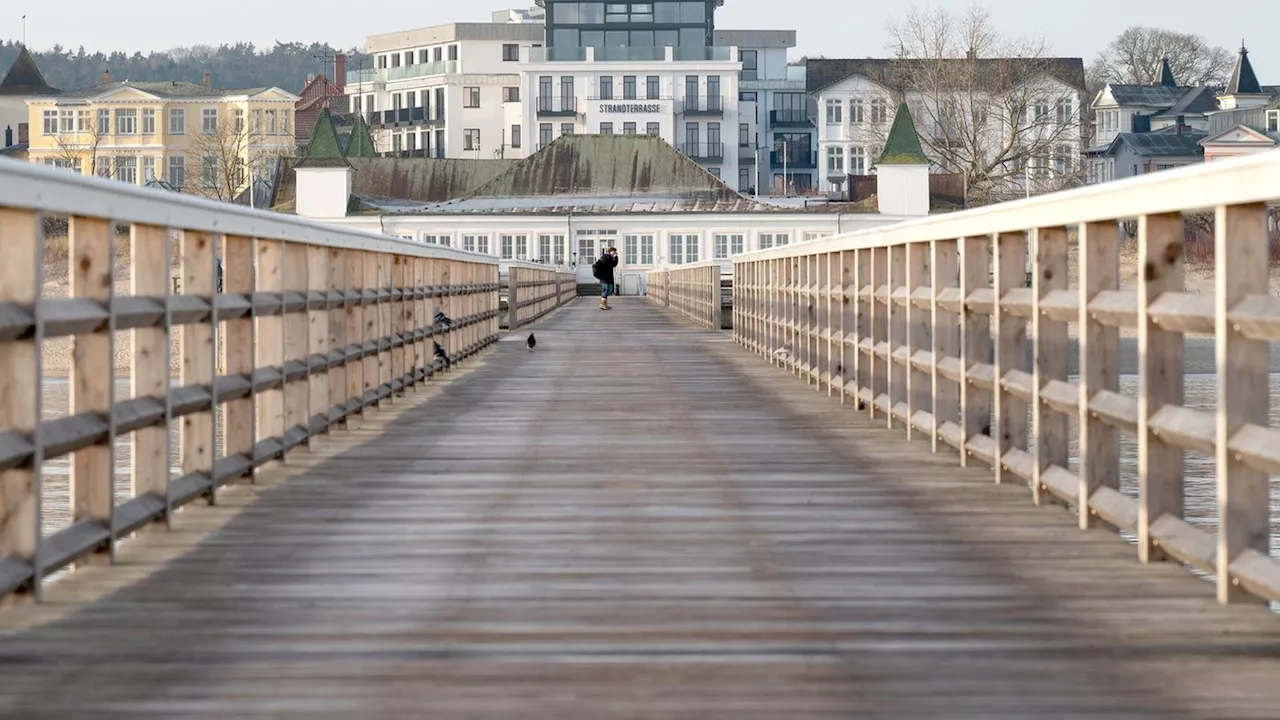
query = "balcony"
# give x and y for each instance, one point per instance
(666, 53)
(404, 117)
(789, 118)
(703, 105)
(794, 159)
(704, 152)
(550, 107)
(406, 72)
(696, 53)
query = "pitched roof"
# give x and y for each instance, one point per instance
(1160, 96)
(1194, 101)
(607, 165)
(172, 89)
(903, 144)
(1241, 135)
(360, 143)
(323, 150)
(419, 180)
(24, 77)
(1163, 144)
(1243, 80)
(822, 73)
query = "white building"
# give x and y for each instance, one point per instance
(503, 89)
(1029, 118)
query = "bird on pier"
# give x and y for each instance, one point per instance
(442, 319)
(442, 355)
(531, 342)
(783, 353)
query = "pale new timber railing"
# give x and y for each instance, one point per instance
(315, 324)
(931, 324)
(533, 290)
(692, 290)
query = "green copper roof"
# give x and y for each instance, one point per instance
(361, 142)
(903, 145)
(323, 149)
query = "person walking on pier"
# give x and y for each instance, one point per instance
(603, 270)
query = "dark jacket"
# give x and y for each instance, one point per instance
(607, 264)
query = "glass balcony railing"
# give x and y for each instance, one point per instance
(631, 54)
(703, 104)
(406, 72)
(704, 151)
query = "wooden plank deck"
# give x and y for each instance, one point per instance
(638, 520)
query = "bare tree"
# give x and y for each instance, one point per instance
(1134, 58)
(1000, 111)
(80, 147)
(221, 161)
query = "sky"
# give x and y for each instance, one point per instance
(834, 28)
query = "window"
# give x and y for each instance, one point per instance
(835, 112)
(437, 54)
(127, 123)
(558, 250)
(453, 52)
(879, 111)
(1273, 121)
(445, 240)
(395, 60)
(855, 111)
(638, 249)
(177, 171)
(471, 97)
(515, 136)
(606, 128)
(102, 166)
(67, 121)
(50, 122)
(209, 121)
(566, 128)
(177, 121)
(510, 94)
(728, 245)
(1040, 109)
(544, 134)
(82, 121)
(606, 87)
(629, 87)
(522, 247)
(272, 128)
(422, 56)
(835, 161)
(766, 241)
(104, 122)
(1062, 159)
(744, 135)
(691, 244)
(510, 52)
(148, 169)
(208, 172)
(675, 249)
(544, 247)
(653, 129)
(149, 122)
(476, 243)
(1064, 111)
(652, 87)
(744, 179)
(471, 139)
(857, 161)
(750, 64)
(812, 236)
(127, 169)
(628, 128)
(507, 247)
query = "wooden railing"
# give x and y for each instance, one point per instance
(315, 324)
(691, 290)
(932, 325)
(533, 290)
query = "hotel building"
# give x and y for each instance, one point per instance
(725, 98)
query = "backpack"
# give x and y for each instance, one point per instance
(597, 269)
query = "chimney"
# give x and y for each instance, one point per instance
(1182, 119)
(207, 80)
(340, 71)
(106, 77)
(8, 136)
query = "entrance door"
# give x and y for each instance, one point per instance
(588, 250)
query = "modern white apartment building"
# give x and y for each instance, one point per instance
(504, 89)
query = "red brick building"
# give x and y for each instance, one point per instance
(317, 94)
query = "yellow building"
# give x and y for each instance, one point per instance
(197, 138)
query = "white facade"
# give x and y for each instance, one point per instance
(13, 112)
(903, 189)
(323, 192)
(855, 115)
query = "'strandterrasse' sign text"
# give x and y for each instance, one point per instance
(630, 108)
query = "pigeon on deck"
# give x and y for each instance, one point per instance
(442, 355)
(531, 342)
(442, 319)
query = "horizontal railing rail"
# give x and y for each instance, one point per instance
(933, 325)
(534, 289)
(314, 324)
(692, 290)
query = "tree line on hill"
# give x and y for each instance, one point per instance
(236, 66)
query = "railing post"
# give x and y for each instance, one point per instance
(833, 323)
(919, 383)
(1050, 346)
(337, 335)
(270, 340)
(354, 309)
(1160, 490)
(898, 372)
(21, 280)
(297, 396)
(398, 265)
(239, 423)
(879, 356)
(1242, 261)
(945, 275)
(513, 299)
(149, 371)
(198, 429)
(318, 333)
(1099, 363)
(975, 340)
(848, 338)
(369, 367)
(1010, 431)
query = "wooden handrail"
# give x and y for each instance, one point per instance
(692, 290)
(534, 289)
(314, 325)
(931, 326)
